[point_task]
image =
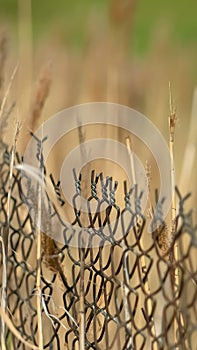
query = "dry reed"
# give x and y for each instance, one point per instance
(142, 261)
(5, 239)
(3, 55)
(120, 16)
(190, 149)
(175, 278)
(3, 119)
(25, 45)
(38, 219)
(5, 318)
(41, 94)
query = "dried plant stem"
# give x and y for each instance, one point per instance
(25, 54)
(125, 291)
(11, 169)
(172, 124)
(3, 54)
(148, 175)
(131, 159)
(13, 329)
(82, 302)
(41, 94)
(143, 262)
(7, 91)
(84, 221)
(38, 256)
(4, 238)
(190, 151)
(38, 278)
(3, 292)
(50, 316)
(124, 247)
(189, 156)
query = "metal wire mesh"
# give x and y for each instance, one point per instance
(124, 289)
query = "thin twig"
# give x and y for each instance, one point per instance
(59, 307)
(41, 94)
(3, 54)
(8, 91)
(38, 256)
(69, 315)
(142, 260)
(13, 329)
(131, 158)
(190, 150)
(25, 53)
(5, 234)
(84, 156)
(81, 302)
(172, 124)
(51, 316)
(3, 292)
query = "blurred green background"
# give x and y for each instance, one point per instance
(178, 17)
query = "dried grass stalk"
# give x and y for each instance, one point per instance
(41, 94)
(175, 278)
(82, 302)
(172, 124)
(142, 261)
(3, 118)
(82, 318)
(190, 150)
(15, 332)
(3, 54)
(25, 55)
(38, 257)
(4, 239)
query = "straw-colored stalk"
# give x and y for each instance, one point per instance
(4, 239)
(38, 273)
(125, 290)
(143, 262)
(41, 94)
(82, 302)
(25, 55)
(3, 54)
(82, 318)
(172, 124)
(190, 150)
(3, 104)
(5, 318)
(3, 290)
(38, 257)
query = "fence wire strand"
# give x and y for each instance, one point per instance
(130, 301)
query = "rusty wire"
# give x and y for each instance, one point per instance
(121, 312)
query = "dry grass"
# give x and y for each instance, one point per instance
(104, 72)
(5, 239)
(3, 54)
(41, 94)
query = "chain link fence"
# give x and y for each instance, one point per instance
(131, 290)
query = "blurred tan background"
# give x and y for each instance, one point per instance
(118, 51)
